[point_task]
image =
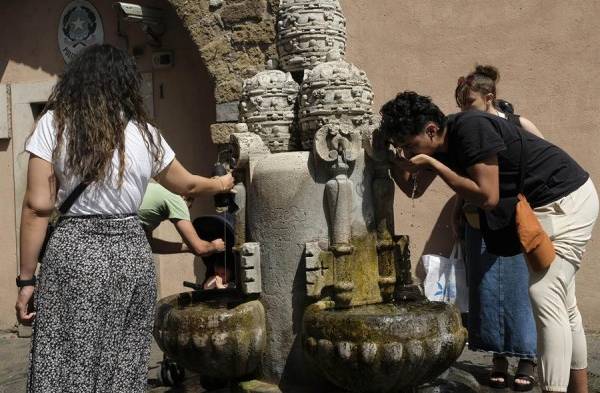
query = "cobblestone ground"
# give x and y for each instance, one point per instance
(471, 367)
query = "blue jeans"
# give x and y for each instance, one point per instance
(500, 316)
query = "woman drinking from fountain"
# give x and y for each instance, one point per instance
(478, 155)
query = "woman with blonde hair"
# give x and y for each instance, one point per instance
(94, 297)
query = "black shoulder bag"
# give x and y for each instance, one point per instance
(63, 209)
(498, 226)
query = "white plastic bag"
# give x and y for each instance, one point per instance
(445, 279)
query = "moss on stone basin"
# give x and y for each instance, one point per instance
(222, 337)
(382, 347)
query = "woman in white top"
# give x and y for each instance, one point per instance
(95, 294)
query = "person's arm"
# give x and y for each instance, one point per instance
(160, 246)
(481, 188)
(178, 180)
(38, 204)
(195, 244)
(529, 126)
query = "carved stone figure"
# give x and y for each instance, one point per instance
(333, 91)
(307, 30)
(267, 108)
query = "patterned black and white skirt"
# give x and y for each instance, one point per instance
(95, 308)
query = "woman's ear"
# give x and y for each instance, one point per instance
(489, 100)
(431, 130)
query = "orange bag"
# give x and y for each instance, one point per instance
(537, 246)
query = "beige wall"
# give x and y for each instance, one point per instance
(549, 63)
(29, 53)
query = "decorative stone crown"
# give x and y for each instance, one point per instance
(267, 107)
(333, 91)
(307, 30)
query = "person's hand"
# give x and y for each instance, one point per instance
(220, 280)
(421, 160)
(226, 182)
(401, 161)
(224, 273)
(219, 245)
(215, 282)
(24, 314)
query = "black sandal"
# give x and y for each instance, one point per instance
(500, 370)
(525, 371)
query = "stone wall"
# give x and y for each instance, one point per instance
(235, 39)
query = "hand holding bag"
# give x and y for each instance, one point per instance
(63, 209)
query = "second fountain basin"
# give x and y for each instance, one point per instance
(382, 347)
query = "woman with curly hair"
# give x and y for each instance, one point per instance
(500, 317)
(482, 157)
(95, 294)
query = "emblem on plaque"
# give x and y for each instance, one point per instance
(80, 26)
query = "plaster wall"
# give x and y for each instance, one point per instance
(549, 66)
(184, 108)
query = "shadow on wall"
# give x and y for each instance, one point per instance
(34, 47)
(440, 239)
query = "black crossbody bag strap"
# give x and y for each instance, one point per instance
(67, 203)
(522, 164)
(64, 208)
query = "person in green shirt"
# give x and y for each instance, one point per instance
(158, 205)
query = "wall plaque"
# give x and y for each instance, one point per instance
(80, 26)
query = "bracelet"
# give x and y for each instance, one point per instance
(25, 283)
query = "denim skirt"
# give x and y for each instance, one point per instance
(500, 317)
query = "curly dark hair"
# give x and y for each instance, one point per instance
(93, 101)
(407, 114)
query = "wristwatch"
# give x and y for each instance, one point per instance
(25, 283)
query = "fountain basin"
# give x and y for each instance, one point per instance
(382, 347)
(222, 337)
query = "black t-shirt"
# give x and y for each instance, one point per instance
(515, 119)
(550, 173)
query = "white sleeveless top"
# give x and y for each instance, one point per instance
(107, 197)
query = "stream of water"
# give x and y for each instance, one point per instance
(412, 198)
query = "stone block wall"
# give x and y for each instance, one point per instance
(235, 39)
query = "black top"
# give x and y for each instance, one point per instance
(550, 172)
(515, 119)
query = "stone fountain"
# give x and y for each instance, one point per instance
(324, 294)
